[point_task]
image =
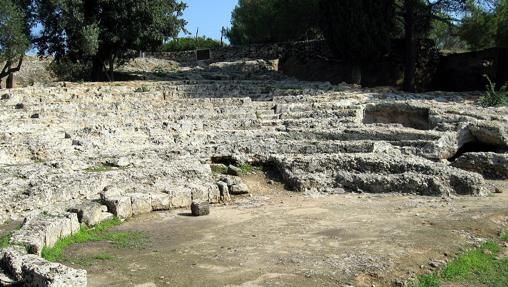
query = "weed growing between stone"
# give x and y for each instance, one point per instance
(99, 168)
(97, 233)
(219, 169)
(246, 168)
(478, 266)
(4, 240)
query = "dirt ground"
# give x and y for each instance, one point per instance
(278, 238)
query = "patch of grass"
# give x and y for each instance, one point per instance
(505, 236)
(219, 169)
(246, 168)
(493, 97)
(4, 240)
(427, 280)
(478, 266)
(98, 233)
(99, 169)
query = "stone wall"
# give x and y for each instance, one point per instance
(464, 71)
(257, 51)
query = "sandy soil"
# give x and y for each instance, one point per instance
(278, 238)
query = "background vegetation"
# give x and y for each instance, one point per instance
(190, 43)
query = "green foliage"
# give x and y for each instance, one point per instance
(479, 266)
(98, 233)
(4, 240)
(190, 43)
(505, 236)
(493, 98)
(428, 280)
(219, 169)
(97, 35)
(246, 168)
(358, 30)
(99, 169)
(269, 21)
(478, 29)
(14, 40)
(485, 28)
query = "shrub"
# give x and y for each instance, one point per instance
(493, 98)
(190, 43)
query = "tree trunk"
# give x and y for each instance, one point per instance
(97, 70)
(10, 81)
(356, 74)
(410, 46)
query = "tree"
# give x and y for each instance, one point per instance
(358, 30)
(502, 24)
(96, 35)
(270, 21)
(14, 38)
(190, 43)
(416, 17)
(478, 28)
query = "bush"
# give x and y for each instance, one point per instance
(190, 43)
(66, 70)
(493, 98)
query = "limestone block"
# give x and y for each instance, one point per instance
(160, 201)
(224, 191)
(200, 208)
(141, 203)
(120, 206)
(39, 272)
(92, 213)
(239, 189)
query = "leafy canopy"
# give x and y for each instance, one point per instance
(269, 21)
(190, 43)
(93, 33)
(14, 40)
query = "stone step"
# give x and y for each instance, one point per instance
(376, 173)
(307, 123)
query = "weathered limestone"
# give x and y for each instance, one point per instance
(490, 165)
(376, 174)
(92, 213)
(45, 230)
(33, 271)
(158, 141)
(200, 208)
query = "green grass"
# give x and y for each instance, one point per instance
(99, 168)
(98, 233)
(427, 280)
(246, 168)
(478, 266)
(219, 169)
(4, 240)
(505, 236)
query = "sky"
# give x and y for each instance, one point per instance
(209, 16)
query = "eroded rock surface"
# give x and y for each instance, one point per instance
(161, 139)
